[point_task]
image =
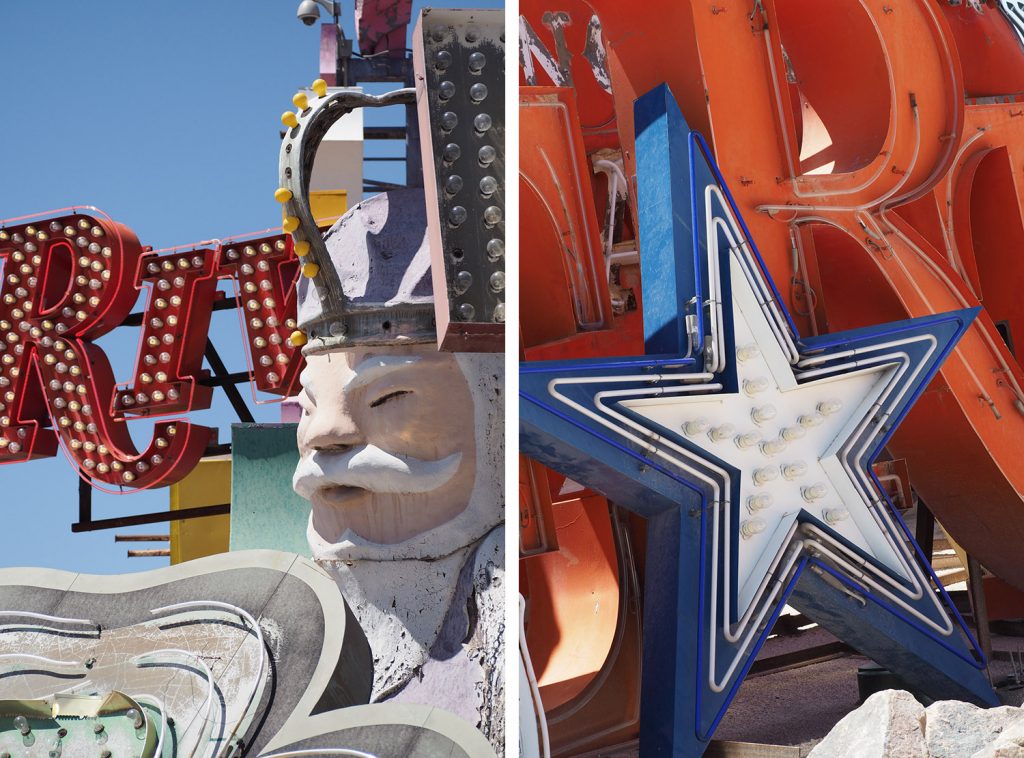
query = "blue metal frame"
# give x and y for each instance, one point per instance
(679, 711)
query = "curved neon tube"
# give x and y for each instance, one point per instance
(158, 750)
(866, 491)
(739, 245)
(320, 751)
(795, 175)
(770, 209)
(247, 617)
(44, 617)
(948, 234)
(955, 97)
(531, 678)
(40, 659)
(151, 659)
(925, 259)
(939, 274)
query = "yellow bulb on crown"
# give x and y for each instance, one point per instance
(301, 248)
(301, 101)
(297, 338)
(290, 224)
(320, 87)
(310, 270)
(288, 118)
(282, 194)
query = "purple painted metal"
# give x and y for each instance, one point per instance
(381, 26)
(329, 54)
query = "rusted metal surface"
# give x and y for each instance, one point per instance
(72, 725)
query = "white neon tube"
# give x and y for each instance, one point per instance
(159, 704)
(531, 678)
(44, 617)
(152, 659)
(39, 659)
(257, 631)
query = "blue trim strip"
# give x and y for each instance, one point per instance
(698, 279)
(538, 367)
(742, 675)
(900, 615)
(621, 448)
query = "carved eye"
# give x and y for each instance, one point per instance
(390, 396)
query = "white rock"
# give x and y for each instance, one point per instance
(890, 724)
(1009, 743)
(954, 729)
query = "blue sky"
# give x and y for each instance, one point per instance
(166, 117)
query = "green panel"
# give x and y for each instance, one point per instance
(92, 724)
(265, 511)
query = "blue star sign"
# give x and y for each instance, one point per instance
(748, 449)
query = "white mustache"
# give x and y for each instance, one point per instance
(372, 469)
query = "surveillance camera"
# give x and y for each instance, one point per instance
(308, 12)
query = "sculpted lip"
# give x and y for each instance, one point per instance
(340, 495)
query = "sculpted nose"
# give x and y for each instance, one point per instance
(332, 434)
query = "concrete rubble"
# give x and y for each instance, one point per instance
(893, 724)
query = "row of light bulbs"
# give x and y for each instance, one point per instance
(488, 185)
(72, 412)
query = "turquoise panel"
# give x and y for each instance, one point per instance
(265, 511)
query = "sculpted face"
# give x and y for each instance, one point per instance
(386, 442)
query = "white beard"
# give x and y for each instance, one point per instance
(401, 606)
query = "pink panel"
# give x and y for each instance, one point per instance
(381, 26)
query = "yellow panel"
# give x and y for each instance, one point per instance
(209, 483)
(327, 206)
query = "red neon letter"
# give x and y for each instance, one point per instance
(264, 270)
(67, 281)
